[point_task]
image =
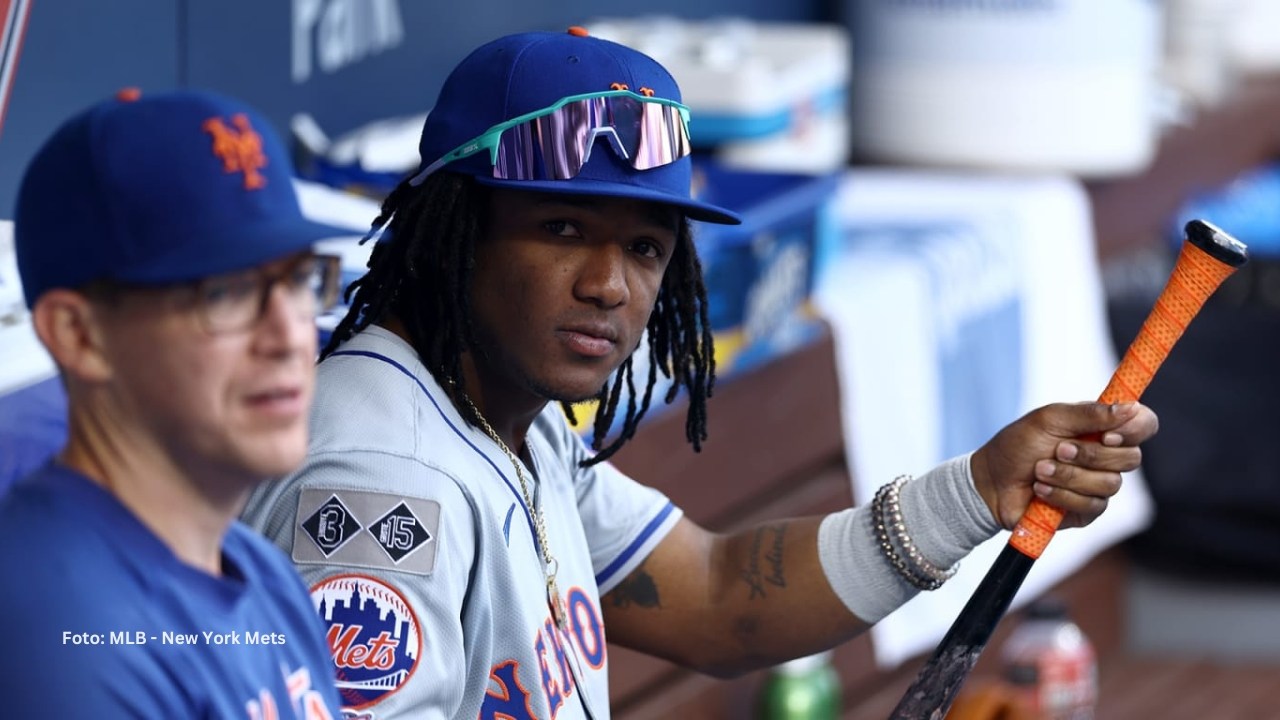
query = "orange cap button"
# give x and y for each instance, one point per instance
(578, 30)
(128, 94)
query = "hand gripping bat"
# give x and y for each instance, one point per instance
(1208, 257)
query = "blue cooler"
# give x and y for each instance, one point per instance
(760, 274)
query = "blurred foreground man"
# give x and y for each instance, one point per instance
(171, 276)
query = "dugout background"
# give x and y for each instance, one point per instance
(347, 62)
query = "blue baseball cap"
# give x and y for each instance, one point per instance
(527, 72)
(158, 189)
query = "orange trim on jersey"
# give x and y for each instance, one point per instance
(549, 649)
(264, 708)
(505, 695)
(597, 627)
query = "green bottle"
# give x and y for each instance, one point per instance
(806, 688)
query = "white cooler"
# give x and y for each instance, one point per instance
(1042, 85)
(764, 96)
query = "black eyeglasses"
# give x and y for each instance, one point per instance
(235, 302)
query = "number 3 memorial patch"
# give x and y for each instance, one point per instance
(366, 529)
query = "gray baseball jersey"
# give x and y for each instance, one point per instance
(410, 529)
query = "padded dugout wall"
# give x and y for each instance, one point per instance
(347, 62)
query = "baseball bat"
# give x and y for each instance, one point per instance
(1207, 258)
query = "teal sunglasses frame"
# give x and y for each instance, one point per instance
(490, 139)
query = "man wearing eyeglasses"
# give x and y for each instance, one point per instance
(465, 549)
(171, 276)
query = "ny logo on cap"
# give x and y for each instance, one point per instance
(240, 148)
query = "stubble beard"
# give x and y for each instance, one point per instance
(491, 354)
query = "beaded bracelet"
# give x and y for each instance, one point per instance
(886, 514)
(882, 538)
(914, 557)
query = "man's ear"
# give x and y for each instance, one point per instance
(70, 326)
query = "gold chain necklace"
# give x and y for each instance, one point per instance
(550, 566)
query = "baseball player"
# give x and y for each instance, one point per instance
(466, 550)
(171, 276)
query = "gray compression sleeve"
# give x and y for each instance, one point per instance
(945, 517)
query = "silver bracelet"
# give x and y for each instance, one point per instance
(898, 549)
(917, 560)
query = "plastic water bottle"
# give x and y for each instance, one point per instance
(806, 688)
(1052, 664)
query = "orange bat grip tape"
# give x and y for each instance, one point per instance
(1194, 278)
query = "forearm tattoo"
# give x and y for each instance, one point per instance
(765, 561)
(639, 588)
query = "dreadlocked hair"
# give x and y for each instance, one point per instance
(420, 273)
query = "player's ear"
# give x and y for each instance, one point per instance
(70, 327)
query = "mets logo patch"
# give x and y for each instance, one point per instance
(373, 635)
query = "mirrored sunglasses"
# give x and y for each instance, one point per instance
(556, 142)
